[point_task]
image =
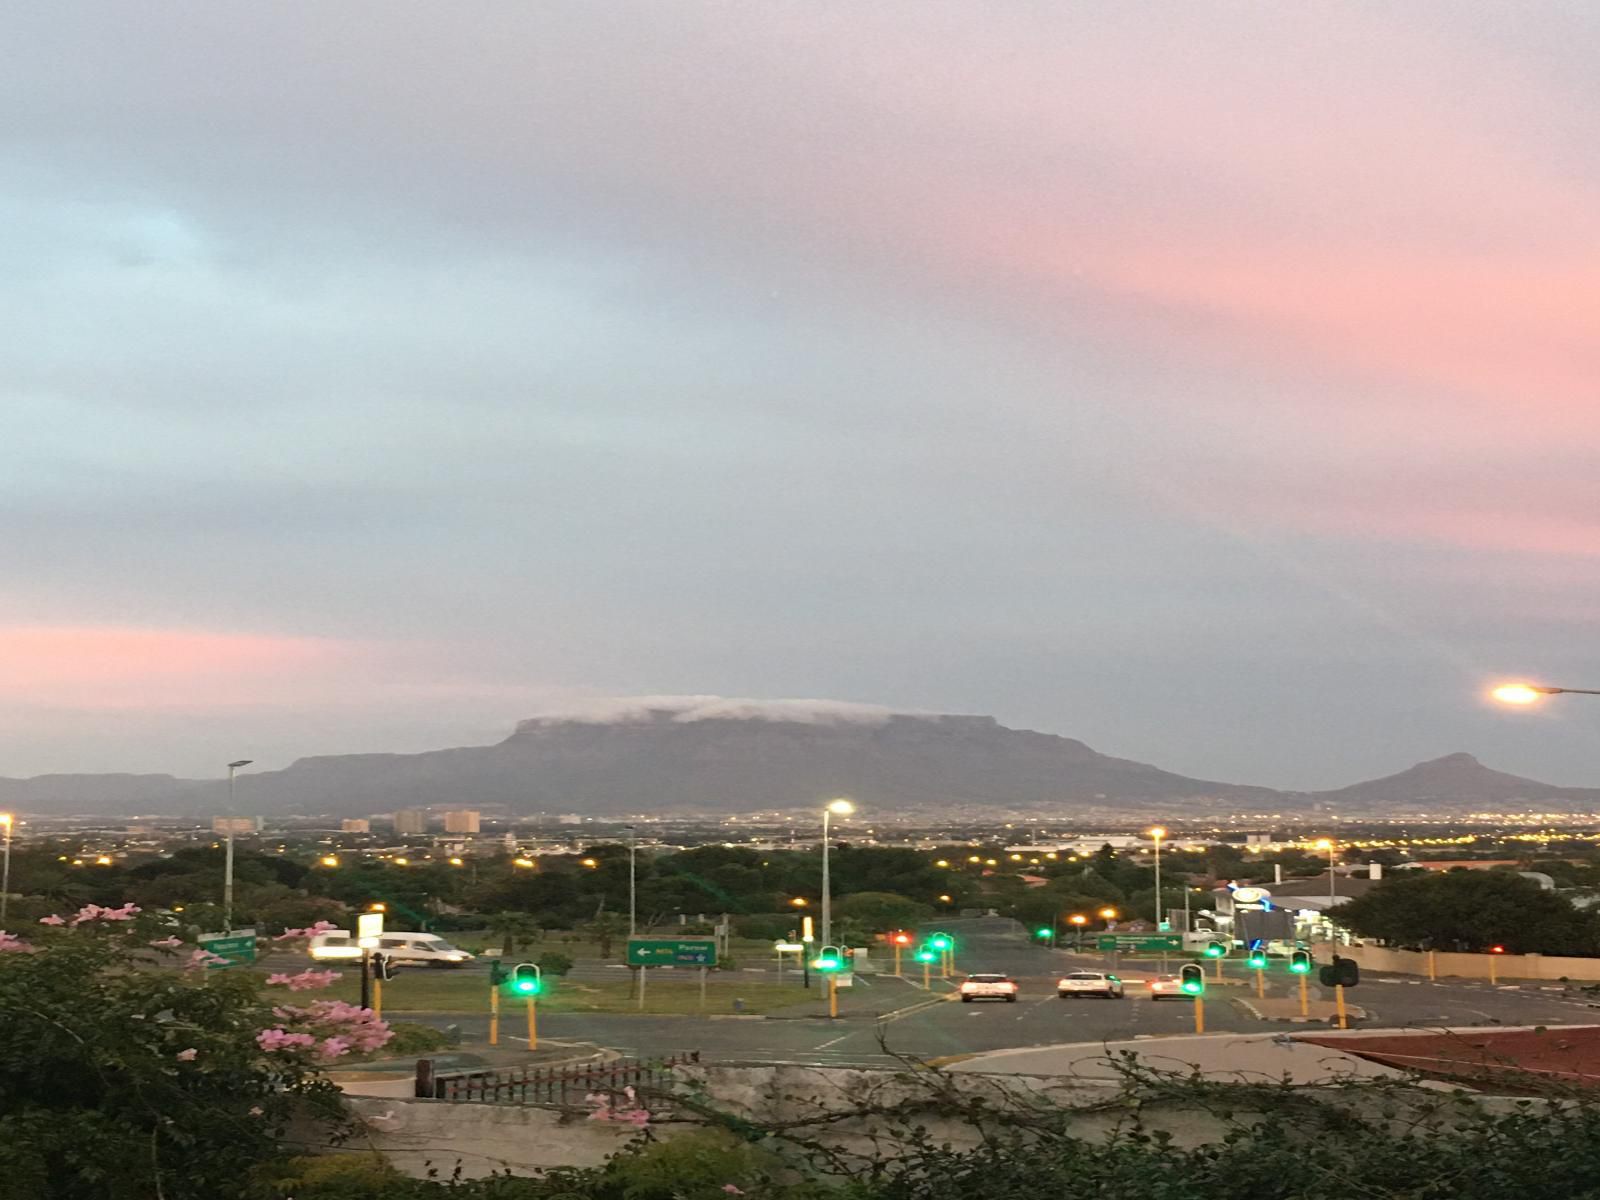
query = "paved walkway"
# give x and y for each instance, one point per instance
(1251, 1058)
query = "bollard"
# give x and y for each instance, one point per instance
(424, 1087)
(738, 1004)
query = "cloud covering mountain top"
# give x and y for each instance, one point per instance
(633, 710)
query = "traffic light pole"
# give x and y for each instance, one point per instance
(1305, 997)
(494, 1014)
(833, 995)
(377, 996)
(1338, 1003)
(1261, 984)
(366, 978)
(897, 960)
(927, 975)
(1199, 1014)
(533, 1023)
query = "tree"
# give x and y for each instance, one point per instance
(605, 929)
(514, 927)
(1470, 910)
(121, 1079)
(881, 911)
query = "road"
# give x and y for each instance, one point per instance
(948, 1030)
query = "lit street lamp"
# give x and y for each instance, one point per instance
(1156, 835)
(1108, 915)
(6, 819)
(227, 864)
(1532, 693)
(1328, 845)
(1078, 921)
(841, 808)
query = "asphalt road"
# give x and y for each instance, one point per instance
(943, 1030)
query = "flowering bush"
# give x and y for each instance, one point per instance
(305, 981)
(11, 943)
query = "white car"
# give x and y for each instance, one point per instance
(988, 987)
(401, 949)
(1089, 983)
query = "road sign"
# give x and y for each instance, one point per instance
(237, 947)
(1133, 943)
(672, 952)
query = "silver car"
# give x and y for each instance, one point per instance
(1089, 983)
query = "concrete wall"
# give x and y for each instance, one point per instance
(1467, 966)
(445, 1137)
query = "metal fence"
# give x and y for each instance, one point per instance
(559, 1086)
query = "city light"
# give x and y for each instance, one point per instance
(1108, 914)
(944, 898)
(457, 862)
(103, 861)
(799, 902)
(591, 863)
(942, 863)
(330, 860)
(402, 862)
(522, 862)
(841, 807)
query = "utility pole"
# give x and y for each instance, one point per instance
(633, 887)
(227, 861)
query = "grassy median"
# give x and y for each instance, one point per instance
(468, 992)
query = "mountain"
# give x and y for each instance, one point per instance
(703, 754)
(686, 755)
(1457, 780)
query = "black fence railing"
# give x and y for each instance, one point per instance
(562, 1086)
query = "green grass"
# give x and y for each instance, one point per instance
(417, 990)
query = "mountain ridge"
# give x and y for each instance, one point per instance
(711, 755)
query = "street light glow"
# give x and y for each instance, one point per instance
(330, 860)
(1108, 914)
(1517, 693)
(1158, 833)
(841, 807)
(1323, 844)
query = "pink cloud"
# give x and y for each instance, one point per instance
(114, 667)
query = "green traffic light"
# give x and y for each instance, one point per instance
(1193, 987)
(527, 987)
(1258, 960)
(1300, 968)
(940, 941)
(1216, 950)
(1044, 933)
(926, 956)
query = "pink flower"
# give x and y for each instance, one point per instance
(167, 943)
(94, 912)
(11, 944)
(335, 1046)
(733, 1189)
(309, 931)
(255, 1110)
(52, 919)
(282, 1039)
(187, 1055)
(305, 981)
(202, 958)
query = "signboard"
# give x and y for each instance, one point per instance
(369, 927)
(237, 947)
(672, 952)
(1133, 943)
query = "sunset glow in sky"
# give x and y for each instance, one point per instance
(1213, 383)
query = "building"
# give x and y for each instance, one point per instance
(238, 826)
(355, 825)
(411, 820)
(464, 821)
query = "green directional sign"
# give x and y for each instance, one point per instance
(672, 952)
(1133, 943)
(237, 947)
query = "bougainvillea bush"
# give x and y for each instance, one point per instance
(129, 1069)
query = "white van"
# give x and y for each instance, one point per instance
(400, 948)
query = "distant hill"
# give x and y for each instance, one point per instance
(702, 754)
(1456, 779)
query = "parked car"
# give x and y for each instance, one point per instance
(1089, 983)
(1168, 987)
(400, 948)
(988, 987)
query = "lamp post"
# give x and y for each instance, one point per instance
(842, 808)
(6, 819)
(1078, 922)
(1532, 693)
(1328, 845)
(633, 885)
(1156, 835)
(227, 859)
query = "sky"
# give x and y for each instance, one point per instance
(1215, 383)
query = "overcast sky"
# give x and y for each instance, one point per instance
(1216, 383)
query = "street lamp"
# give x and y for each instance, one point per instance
(1156, 835)
(1532, 693)
(1078, 921)
(6, 819)
(227, 858)
(1108, 915)
(1327, 844)
(633, 880)
(843, 808)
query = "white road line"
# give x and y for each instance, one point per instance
(834, 1042)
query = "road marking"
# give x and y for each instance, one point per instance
(834, 1042)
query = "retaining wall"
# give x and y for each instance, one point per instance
(1506, 967)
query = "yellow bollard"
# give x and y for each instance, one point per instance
(1305, 998)
(1199, 1015)
(1433, 966)
(833, 996)
(533, 1025)
(1338, 1001)
(494, 1016)
(1492, 978)
(377, 996)
(1261, 985)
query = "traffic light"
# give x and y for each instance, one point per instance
(1044, 932)
(828, 959)
(926, 955)
(1192, 980)
(1341, 972)
(1216, 950)
(900, 938)
(382, 967)
(1300, 962)
(1257, 960)
(497, 974)
(526, 980)
(941, 941)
